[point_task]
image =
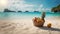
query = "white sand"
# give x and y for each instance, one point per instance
(25, 26)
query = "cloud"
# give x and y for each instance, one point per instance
(41, 8)
(17, 5)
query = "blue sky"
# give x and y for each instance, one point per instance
(30, 5)
(46, 3)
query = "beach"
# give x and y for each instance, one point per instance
(29, 16)
(25, 26)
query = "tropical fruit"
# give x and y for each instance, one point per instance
(38, 22)
(49, 25)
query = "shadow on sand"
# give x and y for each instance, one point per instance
(52, 29)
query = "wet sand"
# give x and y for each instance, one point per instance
(25, 26)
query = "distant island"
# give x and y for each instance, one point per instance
(26, 11)
(6, 10)
(19, 11)
(56, 9)
(36, 11)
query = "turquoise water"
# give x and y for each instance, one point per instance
(22, 15)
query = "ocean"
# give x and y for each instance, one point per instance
(24, 15)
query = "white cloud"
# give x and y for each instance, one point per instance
(19, 5)
(41, 8)
(23, 6)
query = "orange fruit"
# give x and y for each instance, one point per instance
(49, 25)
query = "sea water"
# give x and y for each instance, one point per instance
(22, 15)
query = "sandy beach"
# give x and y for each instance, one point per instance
(17, 16)
(25, 26)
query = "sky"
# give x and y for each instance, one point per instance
(28, 5)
